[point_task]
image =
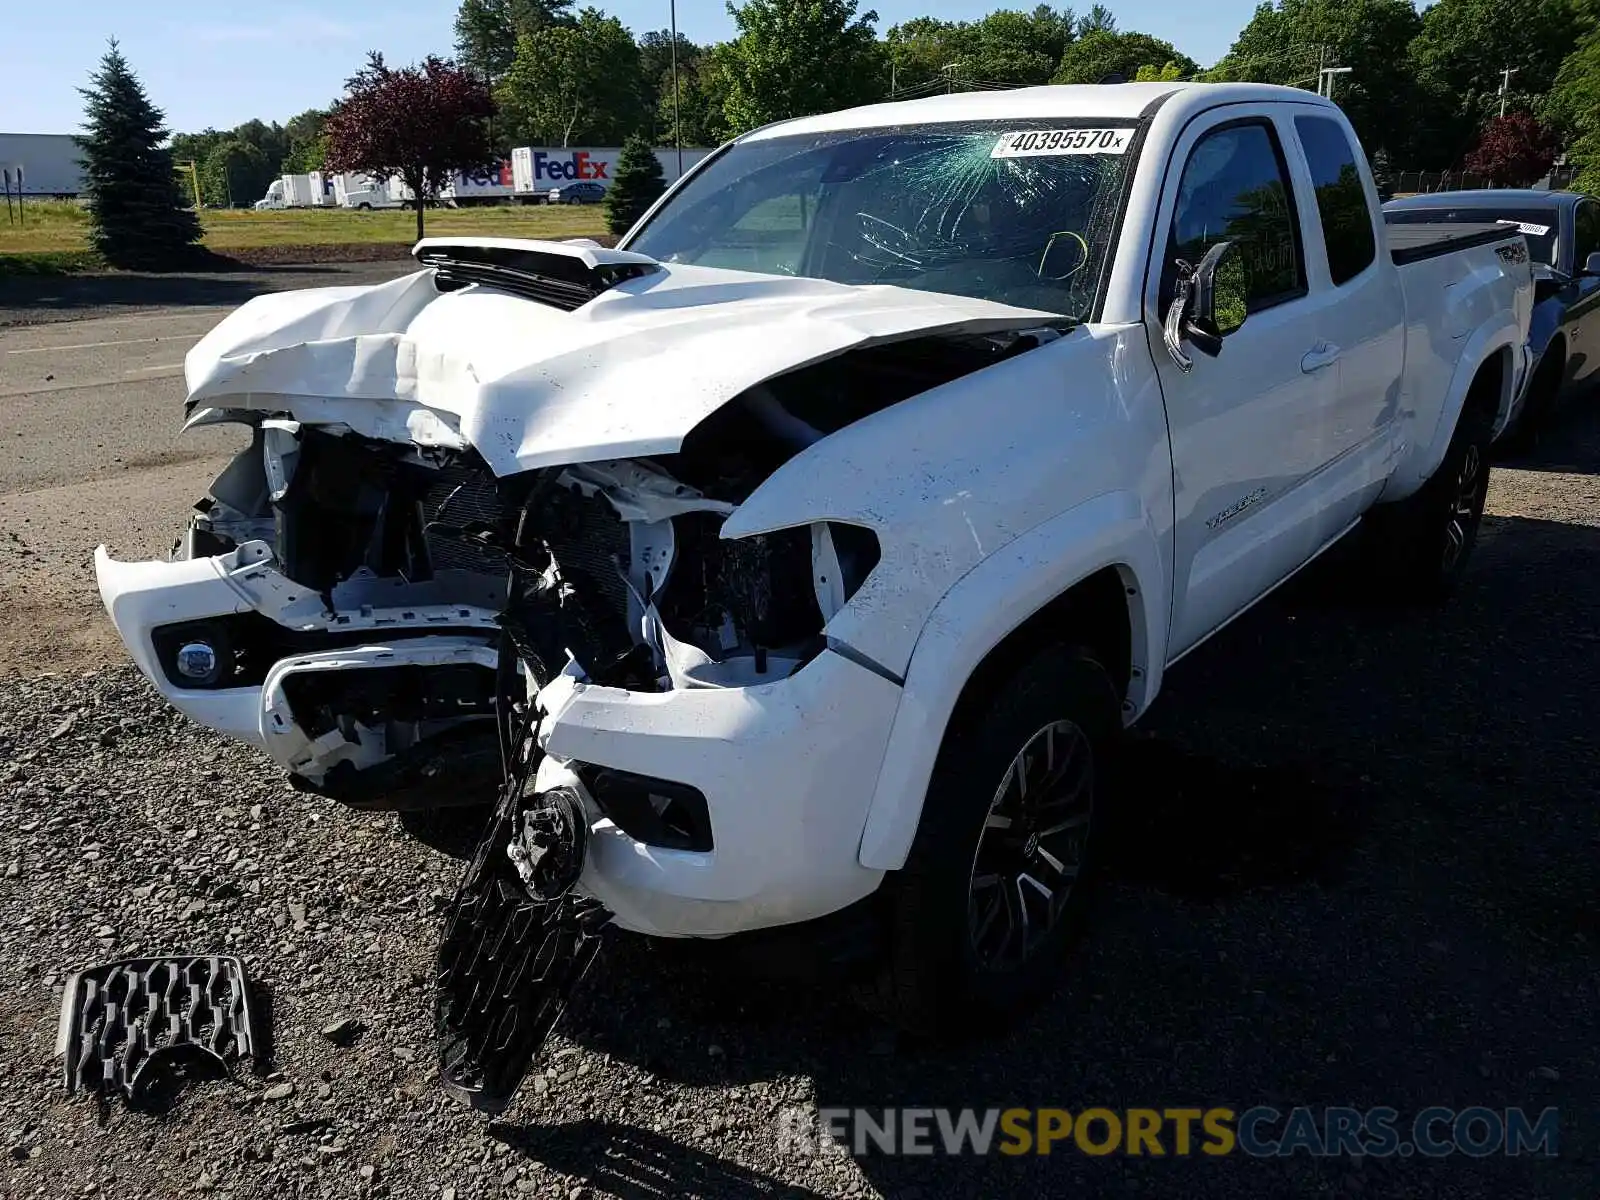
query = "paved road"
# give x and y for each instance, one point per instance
(91, 404)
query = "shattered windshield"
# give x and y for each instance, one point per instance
(1009, 212)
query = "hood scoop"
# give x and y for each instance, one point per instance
(564, 275)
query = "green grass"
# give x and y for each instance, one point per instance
(53, 235)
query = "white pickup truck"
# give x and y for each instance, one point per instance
(855, 503)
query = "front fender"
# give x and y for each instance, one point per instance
(995, 597)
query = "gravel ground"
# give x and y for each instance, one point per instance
(1355, 864)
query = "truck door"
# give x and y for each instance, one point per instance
(1583, 315)
(1246, 426)
(1365, 332)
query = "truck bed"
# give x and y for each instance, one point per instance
(1412, 242)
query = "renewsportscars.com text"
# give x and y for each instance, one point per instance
(1258, 1132)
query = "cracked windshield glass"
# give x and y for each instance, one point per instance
(993, 211)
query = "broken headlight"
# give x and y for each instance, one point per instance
(740, 612)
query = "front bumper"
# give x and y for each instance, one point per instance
(787, 770)
(140, 597)
(145, 597)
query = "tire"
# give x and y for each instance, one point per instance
(960, 957)
(1422, 544)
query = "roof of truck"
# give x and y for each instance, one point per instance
(1077, 101)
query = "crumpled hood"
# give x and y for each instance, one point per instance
(528, 385)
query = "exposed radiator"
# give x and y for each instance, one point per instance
(585, 534)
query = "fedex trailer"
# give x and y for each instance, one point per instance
(535, 170)
(493, 186)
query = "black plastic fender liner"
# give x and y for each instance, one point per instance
(121, 1021)
(508, 960)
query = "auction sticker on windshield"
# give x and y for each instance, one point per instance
(1531, 229)
(1034, 143)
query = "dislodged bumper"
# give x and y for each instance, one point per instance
(786, 771)
(141, 597)
(209, 607)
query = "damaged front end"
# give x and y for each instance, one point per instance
(337, 597)
(311, 610)
(488, 531)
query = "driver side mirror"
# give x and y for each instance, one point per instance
(1207, 304)
(1591, 265)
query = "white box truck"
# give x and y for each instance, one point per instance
(288, 191)
(361, 191)
(297, 191)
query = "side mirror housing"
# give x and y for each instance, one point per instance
(1208, 304)
(1591, 265)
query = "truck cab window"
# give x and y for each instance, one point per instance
(1585, 233)
(1235, 188)
(1341, 199)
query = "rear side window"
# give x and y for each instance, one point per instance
(1585, 234)
(1235, 188)
(1341, 200)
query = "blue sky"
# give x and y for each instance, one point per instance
(220, 62)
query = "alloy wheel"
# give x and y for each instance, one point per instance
(1466, 508)
(1031, 849)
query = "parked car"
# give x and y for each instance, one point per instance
(853, 514)
(583, 192)
(1563, 234)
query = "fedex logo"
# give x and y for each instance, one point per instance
(576, 166)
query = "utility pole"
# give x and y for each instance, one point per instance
(1505, 86)
(677, 123)
(1325, 80)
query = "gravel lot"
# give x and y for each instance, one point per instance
(1356, 865)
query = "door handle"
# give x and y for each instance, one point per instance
(1324, 354)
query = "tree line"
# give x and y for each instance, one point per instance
(1423, 89)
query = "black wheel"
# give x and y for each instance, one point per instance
(1423, 543)
(998, 879)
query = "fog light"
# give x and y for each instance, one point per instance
(197, 662)
(657, 812)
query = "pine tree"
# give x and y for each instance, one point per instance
(639, 182)
(137, 214)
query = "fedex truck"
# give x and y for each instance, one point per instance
(536, 170)
(493, 186)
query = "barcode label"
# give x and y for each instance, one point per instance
(1036, 143)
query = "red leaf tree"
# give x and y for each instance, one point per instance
(1514, 151)
(422, 123)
